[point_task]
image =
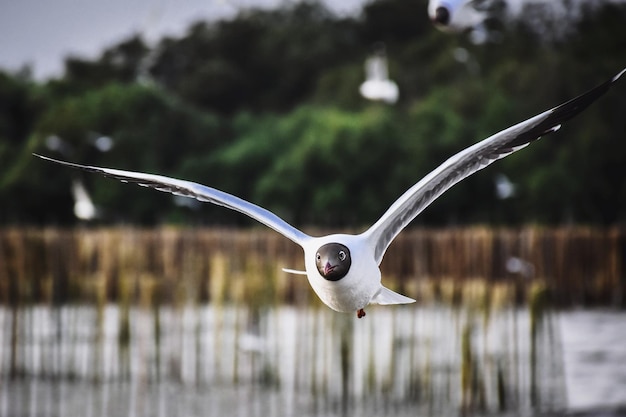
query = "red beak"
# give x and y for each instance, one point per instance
(328, 268)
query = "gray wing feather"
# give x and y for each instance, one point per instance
(471, 160)
(199, 192)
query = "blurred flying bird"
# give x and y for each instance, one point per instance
(456, 15)
(515, 265)
(56, 144)
(343, 269)
(377, 85)
(504, 187)
(84, 209)
(103, 143)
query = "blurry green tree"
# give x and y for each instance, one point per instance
(266, 106)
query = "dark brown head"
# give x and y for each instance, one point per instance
(333, 261)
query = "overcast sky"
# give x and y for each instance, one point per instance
(41, 33)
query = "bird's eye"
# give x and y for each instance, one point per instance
(318, 256)
(342, 255)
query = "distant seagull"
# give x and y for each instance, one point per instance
(377, 85)
(504, 187)
(84, 209)
(456, 15)
(56, 144)
(515, 265)
(103, 143)
(343, 269)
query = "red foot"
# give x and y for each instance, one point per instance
(361, 313)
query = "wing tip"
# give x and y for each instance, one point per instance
(617, 77)
(573, 107)
(47, 158)
(69, 164)
(293, 271)
(56, 161)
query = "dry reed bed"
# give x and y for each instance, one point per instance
(332, 356)
(577, 265)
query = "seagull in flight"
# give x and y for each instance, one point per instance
(378, 86)
(456, 15)
(343, 269)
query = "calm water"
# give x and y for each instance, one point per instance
(214, 361)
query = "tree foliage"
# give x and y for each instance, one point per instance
(266, 106)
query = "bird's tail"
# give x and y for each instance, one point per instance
(385, 297)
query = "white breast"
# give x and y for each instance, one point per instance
(356, 289)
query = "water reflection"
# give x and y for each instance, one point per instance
(223, 360)
(595, 359)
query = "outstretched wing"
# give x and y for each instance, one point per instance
(470, 160)
(199, 192)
